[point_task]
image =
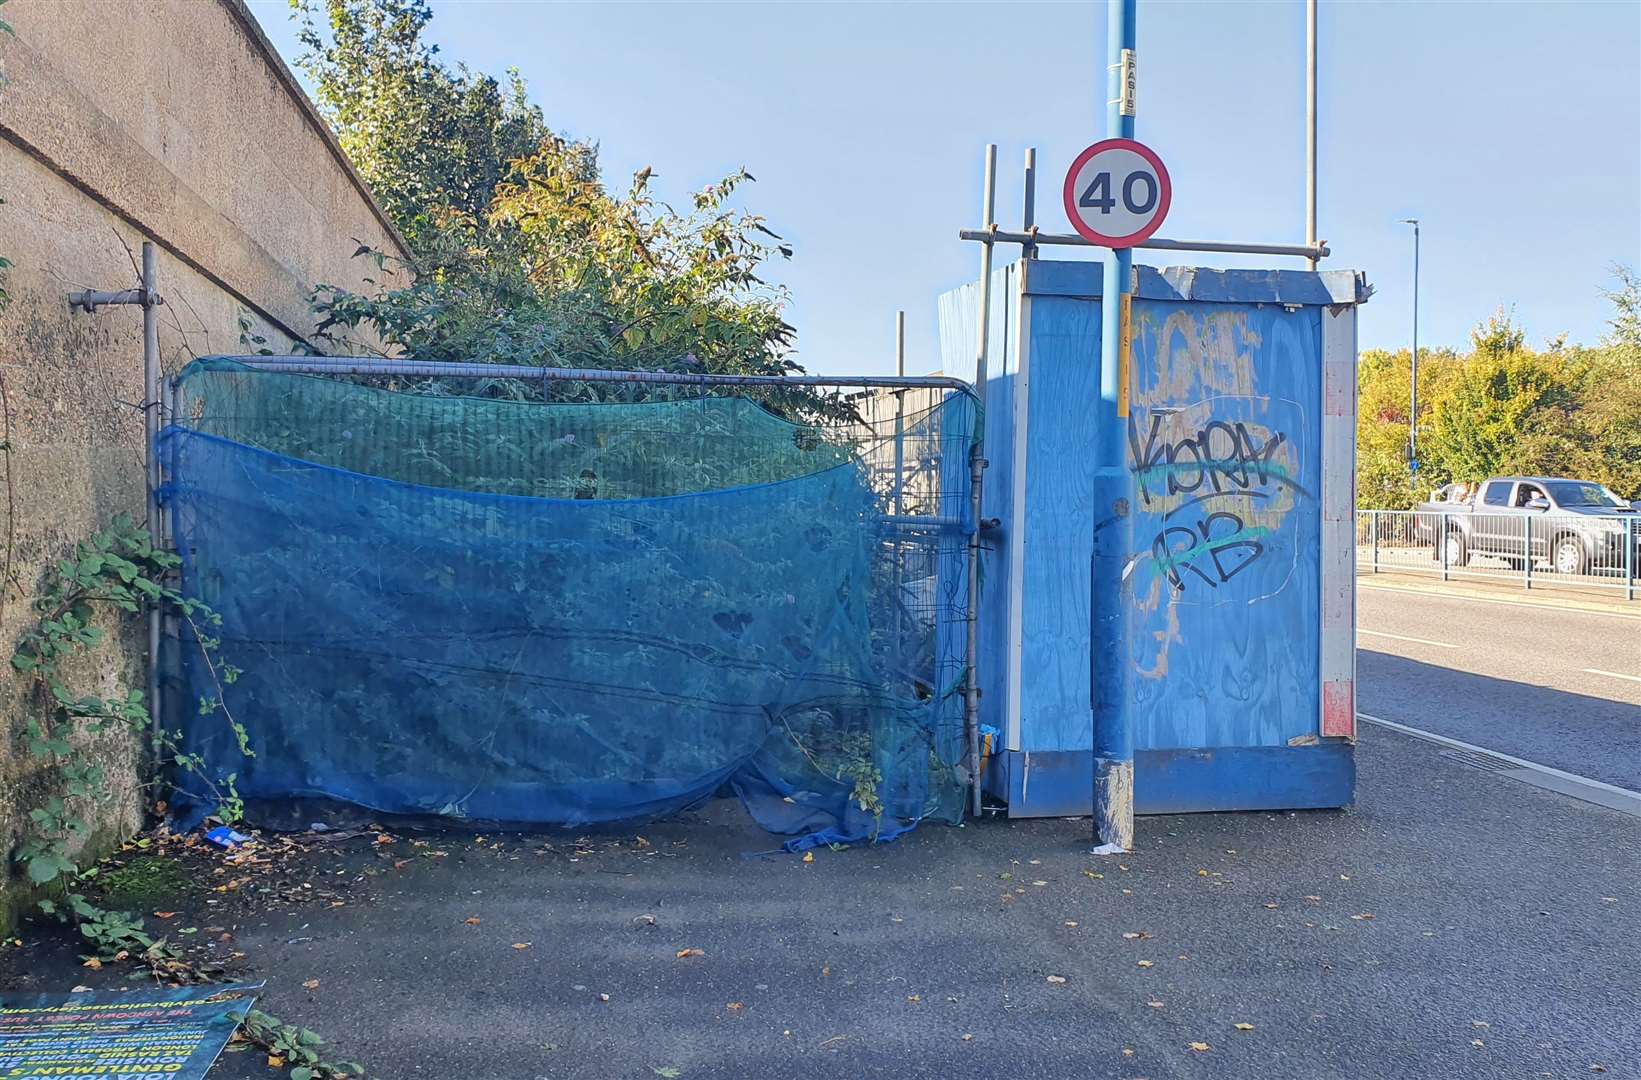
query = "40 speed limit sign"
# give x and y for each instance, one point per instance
(1117, 193)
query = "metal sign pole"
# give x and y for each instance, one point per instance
(1113, 736)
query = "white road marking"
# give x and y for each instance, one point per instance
(1435, 592)
(1612, 674)
(1399, 637)
(1619, 798)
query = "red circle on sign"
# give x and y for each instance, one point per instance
(1164, 196)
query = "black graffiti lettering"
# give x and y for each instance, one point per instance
(1231, 540)
(1176, 559)
(1224, 455)
(1221, 540)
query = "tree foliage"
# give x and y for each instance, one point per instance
(520, 254)
(432, 142)
(1505, 408)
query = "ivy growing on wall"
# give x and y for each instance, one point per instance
(117, 569)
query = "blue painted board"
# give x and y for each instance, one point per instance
(1224, 462)
(1063, 338)
(1224, 441)
(1059, 783)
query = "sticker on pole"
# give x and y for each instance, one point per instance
(1117, 193)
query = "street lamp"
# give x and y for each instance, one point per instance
(1413, 390)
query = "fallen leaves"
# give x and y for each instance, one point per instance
(310, 984)
(521, 944)
(1244, 1027)
(164, 914)
(643, 920)
(685, 954)
(667, 1072)
(93, 963)
(473, 920)
(1143, 963)
(1057, 979)
(1314, 899)
(1155, 1004)
(1477, 1043)
(735, 1006)
(1363, 915)
(1200, 1047)
(809, 856)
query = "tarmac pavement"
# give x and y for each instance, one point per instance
(1453, 924)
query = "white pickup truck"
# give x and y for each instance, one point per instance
(1575, 526)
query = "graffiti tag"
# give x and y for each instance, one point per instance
(1224, 463)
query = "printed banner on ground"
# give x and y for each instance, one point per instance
(110, 1036)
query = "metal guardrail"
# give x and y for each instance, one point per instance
(1551, 549)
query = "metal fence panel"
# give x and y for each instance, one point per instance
(1549, 549)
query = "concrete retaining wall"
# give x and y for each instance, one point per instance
(168, 120)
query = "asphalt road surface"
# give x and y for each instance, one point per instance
(1453, 925)
(1555, 686)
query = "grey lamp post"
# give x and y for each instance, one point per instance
(1413, 389)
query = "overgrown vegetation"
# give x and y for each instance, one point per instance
(519, 252)
(116, 569)
(1506, 408)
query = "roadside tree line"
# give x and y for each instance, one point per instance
(1503, 407)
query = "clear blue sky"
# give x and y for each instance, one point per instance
(1512, 129)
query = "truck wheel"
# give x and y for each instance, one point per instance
(1457, 552)
(1569, 556)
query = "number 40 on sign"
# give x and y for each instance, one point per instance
(1117, 193)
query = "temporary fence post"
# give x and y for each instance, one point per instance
(1527, 551)
(977, 466)
(900, 471)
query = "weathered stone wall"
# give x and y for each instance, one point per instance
(167, 120)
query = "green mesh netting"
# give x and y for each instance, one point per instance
(536, 613)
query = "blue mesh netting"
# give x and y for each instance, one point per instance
(529, 613)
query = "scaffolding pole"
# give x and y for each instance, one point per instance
(148, 298)
(366, 365)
